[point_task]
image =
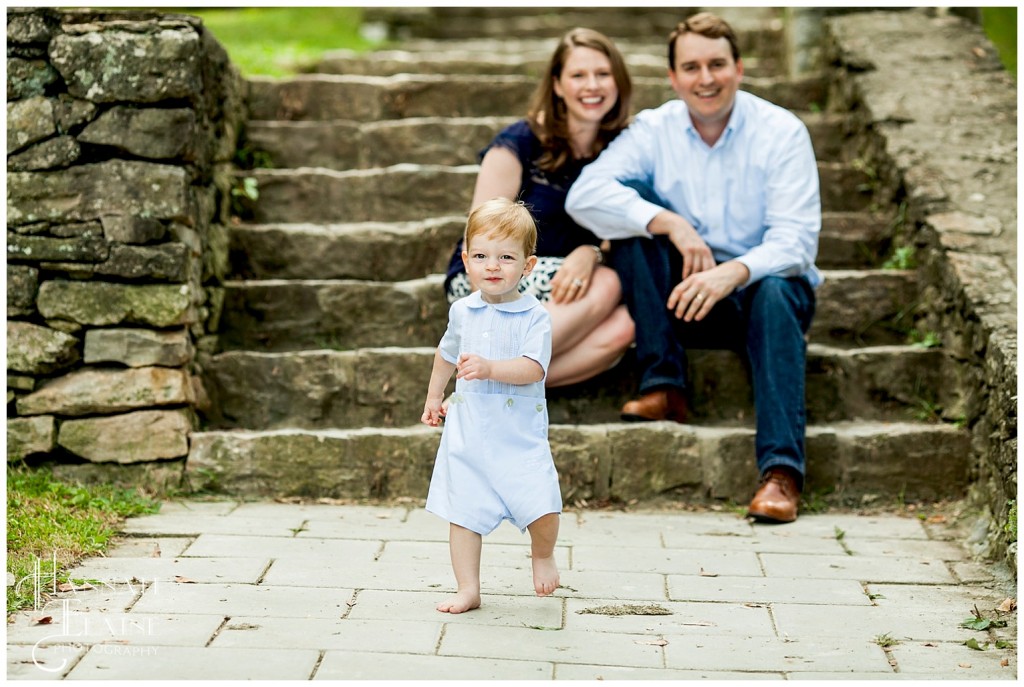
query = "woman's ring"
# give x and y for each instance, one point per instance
(577, 282)
(700, 296)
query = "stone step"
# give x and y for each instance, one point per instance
(408, 192)
(379, 251)
(642, 60)
(848, 463)
(398, 251)
(315, 97)
(345, 144)
(385, 387)
(760, 30)
(854, 308)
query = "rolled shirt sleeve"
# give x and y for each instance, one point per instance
(605, 198)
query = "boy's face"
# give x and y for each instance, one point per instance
(495, 266)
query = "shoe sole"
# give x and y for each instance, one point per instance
(768, 519)
(642, 418)
(636, 418)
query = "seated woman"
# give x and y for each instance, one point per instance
(581, 104)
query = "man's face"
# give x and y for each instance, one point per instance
(706, 77)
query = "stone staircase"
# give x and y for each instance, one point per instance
(336, 302)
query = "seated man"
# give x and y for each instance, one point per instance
(726, 259)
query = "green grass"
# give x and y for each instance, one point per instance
(58, 523)
(279, 41)
(1000, 25)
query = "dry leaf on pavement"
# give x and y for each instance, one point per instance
(72, 587)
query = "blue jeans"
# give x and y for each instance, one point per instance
(766, 322)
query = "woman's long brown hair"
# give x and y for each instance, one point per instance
(547, 112)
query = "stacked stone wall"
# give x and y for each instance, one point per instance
(938, 125)
(121, 128)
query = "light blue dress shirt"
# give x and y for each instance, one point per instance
(752, 197)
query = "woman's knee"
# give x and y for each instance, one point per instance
(605, 285)
(620, 328)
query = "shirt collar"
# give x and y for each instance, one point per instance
(521, 304)
(736, 119)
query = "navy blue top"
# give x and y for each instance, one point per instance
(544, 195)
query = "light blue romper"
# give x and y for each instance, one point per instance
(494, 461)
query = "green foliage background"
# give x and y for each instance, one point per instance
(1000, 25)
(278, 41)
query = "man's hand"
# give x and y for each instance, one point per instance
(693, 298)
(697, 256)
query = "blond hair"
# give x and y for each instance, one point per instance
(503, 218)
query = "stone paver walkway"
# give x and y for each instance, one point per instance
(226, 590)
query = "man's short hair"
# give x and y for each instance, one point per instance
(707, 25)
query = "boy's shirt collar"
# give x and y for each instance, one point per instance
(521, 304)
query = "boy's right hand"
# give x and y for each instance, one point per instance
(433, 413)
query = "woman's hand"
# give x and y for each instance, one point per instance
(572, 280)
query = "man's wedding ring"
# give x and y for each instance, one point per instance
(577, 282)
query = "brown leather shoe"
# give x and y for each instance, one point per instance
(777, 498)
(662, 404)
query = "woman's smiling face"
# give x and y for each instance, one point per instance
(587, 85)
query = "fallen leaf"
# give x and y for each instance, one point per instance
(980, 52)
(1005, 662)
(707, 574)
(183, 580)
(972, 643)
(929, 644)
(45, 620)
(72, 587)
(965, 665)
(750, 605)
(156, 551)
(936, 519)
(652, 642)
(1008, 606)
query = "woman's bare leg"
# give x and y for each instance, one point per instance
(572, 322)
(597, 352)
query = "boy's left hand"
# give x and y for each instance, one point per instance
(471, 366)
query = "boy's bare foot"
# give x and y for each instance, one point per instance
(460, 602)
(545, 575)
